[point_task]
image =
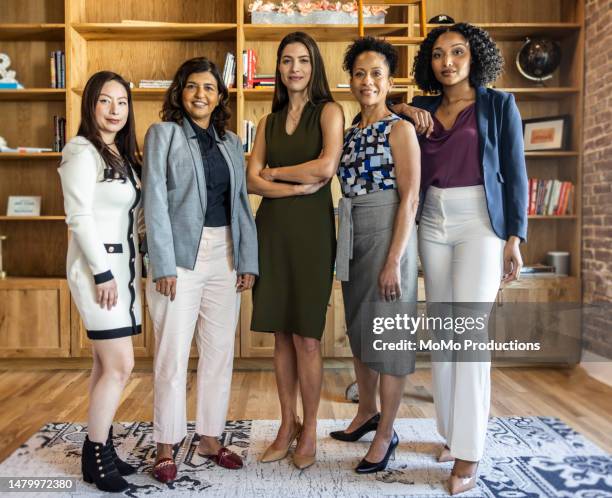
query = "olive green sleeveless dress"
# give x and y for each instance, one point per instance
(296, 237)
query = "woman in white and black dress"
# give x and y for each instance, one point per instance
(100, 180)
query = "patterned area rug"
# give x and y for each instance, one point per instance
(525, 457)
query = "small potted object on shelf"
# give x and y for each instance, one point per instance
(321, 12)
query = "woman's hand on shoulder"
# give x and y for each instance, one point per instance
(422, 119)
(106, 294)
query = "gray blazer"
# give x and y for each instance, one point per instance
(174, 190)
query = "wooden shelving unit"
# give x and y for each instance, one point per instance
(33, 94)
(168, 32)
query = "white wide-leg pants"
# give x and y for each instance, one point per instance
(207, 302)
(462, 261)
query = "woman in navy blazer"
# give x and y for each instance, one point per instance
(472, 215)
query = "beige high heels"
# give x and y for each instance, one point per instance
(445, 455)
(461, 484)
(273, 455)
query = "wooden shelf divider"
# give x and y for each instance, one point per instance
(33, 94)
(31, 32)
(150, 31)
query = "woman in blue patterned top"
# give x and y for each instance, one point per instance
(377, 249)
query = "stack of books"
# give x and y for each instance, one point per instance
(154, 83)
(58, 69)
(248, 135)
(550, 197)
(263, 81)
(59, 130)
(229, 70)
(249, 63)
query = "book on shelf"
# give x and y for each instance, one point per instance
(154, 83)
(24, 150)
(57, 63)
(263, 80)
(550, 197)
(249, 63)
(248, 135)
(59, 130)
(229, 70)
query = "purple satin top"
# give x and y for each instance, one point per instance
(451, 158)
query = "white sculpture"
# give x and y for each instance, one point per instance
(6, 75)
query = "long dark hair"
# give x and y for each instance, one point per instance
(173, 109)
(318, 88)
(125, 140)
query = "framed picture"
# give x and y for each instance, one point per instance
(19, 205)
(551, 133)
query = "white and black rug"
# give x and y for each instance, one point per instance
(526, 457)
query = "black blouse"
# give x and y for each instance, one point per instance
(217, 175)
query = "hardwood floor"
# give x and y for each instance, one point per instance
(29, 399)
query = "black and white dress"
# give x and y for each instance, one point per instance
(102, 216)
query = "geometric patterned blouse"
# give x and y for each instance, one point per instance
(366, 164)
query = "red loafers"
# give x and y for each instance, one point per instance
(164, 470)
(225, 458)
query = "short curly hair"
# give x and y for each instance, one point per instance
(370, 44)
(487, 61)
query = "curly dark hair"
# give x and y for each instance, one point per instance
(370, 44)
(487, 61)
(173, 110)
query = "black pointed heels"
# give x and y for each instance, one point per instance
(368, 426)
(366, 467)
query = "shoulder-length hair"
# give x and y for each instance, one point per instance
(125, 140)
(487, 61)
(173, 110)
(318, 88)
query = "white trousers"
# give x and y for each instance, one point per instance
(207, 302)
(462, 261)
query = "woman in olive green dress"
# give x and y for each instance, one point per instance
(300, 142)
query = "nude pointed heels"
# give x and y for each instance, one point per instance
(304, 461)
(273, 455)
(461, 484)
(445, 455)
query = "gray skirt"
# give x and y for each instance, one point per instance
(364, 236)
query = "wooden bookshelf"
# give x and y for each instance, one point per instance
(168, 32)
(32, 32)
(40, 156)
(32, 218)
(152, 31)
(33, 94)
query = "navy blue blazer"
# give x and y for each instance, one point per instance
(502, 156)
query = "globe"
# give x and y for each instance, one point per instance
(537, 59)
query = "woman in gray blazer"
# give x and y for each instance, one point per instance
(202, 247)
